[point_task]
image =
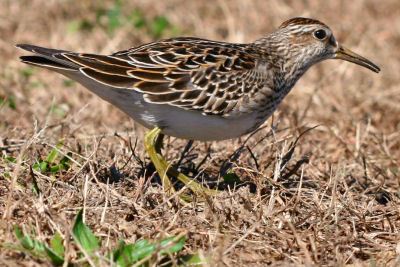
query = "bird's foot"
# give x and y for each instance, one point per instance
(153, 143)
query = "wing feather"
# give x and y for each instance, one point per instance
(191, 73)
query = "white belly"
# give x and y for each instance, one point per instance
(194, 125)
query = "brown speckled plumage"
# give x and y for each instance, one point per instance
(236, 83)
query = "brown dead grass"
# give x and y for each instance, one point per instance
(334, 202)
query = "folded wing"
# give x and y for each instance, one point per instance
(190, 73)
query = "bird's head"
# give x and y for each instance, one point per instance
(302, 42)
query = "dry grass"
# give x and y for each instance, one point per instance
(334, 201)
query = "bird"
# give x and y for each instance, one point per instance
(199, 89)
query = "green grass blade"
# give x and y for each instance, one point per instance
(18, 232)
(26, 241)
(127, 255)
(54, 153)
(41, 166)
(56, 259)
(57, 244)
(83, 235)
(56, 168)
(52, 156)
(172, 244)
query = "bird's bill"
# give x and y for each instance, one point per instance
(346, 54)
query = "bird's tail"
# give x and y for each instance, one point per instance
(52, 59)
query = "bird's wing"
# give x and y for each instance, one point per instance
(189, 73)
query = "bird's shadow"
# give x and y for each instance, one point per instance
(224, 178)
(289, 177)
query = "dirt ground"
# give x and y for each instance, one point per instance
(330, 199)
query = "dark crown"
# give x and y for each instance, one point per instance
(301, 21)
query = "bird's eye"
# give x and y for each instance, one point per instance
(320, 34)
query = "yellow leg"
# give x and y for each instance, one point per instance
(153, 142)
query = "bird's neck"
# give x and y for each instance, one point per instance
(288, 62)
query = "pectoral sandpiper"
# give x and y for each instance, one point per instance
(199, 89)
